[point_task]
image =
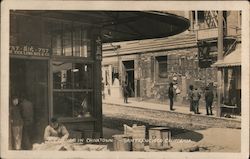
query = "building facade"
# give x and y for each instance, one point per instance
(149, 66)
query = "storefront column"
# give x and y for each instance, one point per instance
(98, 84)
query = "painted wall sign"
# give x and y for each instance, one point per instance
(29, 50)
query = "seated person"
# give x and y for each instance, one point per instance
(55, 131)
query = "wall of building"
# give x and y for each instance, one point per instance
(186, 71)
(147, 83)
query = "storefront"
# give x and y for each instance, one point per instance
(231, 83)
(55, 61)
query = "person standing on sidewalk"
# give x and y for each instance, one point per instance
(16, 124)
(125, 92)
(190, 97)
(171, 95)
(209, 97)
(196, 99)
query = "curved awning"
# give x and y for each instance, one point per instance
(143, 25)
(122, 25)
(232, 59)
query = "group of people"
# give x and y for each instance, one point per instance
(21, 123)
(194, 96)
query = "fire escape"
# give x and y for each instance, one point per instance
(207, 39)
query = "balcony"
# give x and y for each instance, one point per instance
(212, 33)
(209, 33)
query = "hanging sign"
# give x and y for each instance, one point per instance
(29, 50)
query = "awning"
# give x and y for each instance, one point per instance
(233, 59)
(121, 25)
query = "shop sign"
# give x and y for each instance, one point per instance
(29, 50)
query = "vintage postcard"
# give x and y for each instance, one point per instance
(124, 79)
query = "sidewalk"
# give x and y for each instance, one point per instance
(132, 102)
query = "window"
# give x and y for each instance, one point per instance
(70, 40)
(162, 66)
(72, 89)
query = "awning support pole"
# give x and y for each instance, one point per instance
(220, 57)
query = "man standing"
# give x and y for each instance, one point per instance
(209, 97)
(16, 124)
(171, 95)
(28, 119)
(190, 97)
(125, 92)
(196, 99)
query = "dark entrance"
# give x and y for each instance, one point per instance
(129, 69)
(30, 78)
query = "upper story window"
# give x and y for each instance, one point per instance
(71, 40)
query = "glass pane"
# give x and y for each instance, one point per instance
(67, 44)
(72, 75)
(56, 45)
(71, 41)
(163, 69)
(72, 104)
(76, 42)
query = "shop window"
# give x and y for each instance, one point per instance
(230, 86)
(72, 89)
(162, 66)
(72, 104)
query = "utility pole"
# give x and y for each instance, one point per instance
(219, 58)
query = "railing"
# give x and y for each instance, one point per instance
(209, 33)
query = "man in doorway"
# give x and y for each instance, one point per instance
(55, 131)
(28, 122)
(171, 95)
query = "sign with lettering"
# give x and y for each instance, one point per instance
(29, 50)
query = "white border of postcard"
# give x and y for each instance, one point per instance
(6, 5)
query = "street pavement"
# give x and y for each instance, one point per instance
(163, 106)
(226, 140)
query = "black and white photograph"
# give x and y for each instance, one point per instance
(115, 82)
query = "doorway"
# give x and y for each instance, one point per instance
(129, 77)
(30, 78)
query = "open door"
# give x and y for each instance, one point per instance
(30, 77)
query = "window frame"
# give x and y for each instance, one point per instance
(160, 60)
(72, 31)
(73, 90)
